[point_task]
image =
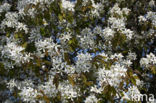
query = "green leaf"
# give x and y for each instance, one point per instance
(30, 47)
(60, 17)
(56, 80)
(66, 57)
(71, 80)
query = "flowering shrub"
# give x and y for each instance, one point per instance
(77, 51)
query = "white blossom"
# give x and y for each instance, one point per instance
(68, 5)
(117, 10)
(67, 90)
(14, 52)
(118, 24)
(91, 99)
(28, 94)
(96, 90)
(83, 63)
(149, 60)
(5, 7)
(132, 92)
(98, 30)
(83, 53)
(86, 38)
(47, 44)
(49, 88)
(113, 76)
(131, 56)
(98, 8)
(11, 84)
(142, 19)
(128, 33)
(108, 33)
(11, 21)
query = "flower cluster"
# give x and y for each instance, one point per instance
(148, 61)
(113, 75)
(5, 7)
(83, 63)
(11, 21)
(76, 51)
(118, 19)
(14, 52)
(86, 38)
(67, 5)
(132, 91)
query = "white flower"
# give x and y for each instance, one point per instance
(91, 99)
(126, 11)
(139, 82)
(26, 5)
(11, 50)
(132, 92)
(118, 56)
(5, 7)
(65, 37)
(98, 7)
(86, 38)
(116, 10)
(83, 63)
(152, 58)
(21, 26)
(11, 20)
(26, 57)
(86, 31)
(28, 94)
(131, 56)
(144, 62)
(34, 34)
(111, 77)
(150, 17)
(11, 84)
(46, 44)
(152, 3)
(127, 62)
(67, 90)
(14, 52)
(104, 55)
(49, 88)
(118, 24)
(70, 69)
(32, 12)
(108, 33)
(128, 33)
(68, 5)
(98, 30)
(142, 19)
(96, 90)
(84, 3)
(149, 60)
